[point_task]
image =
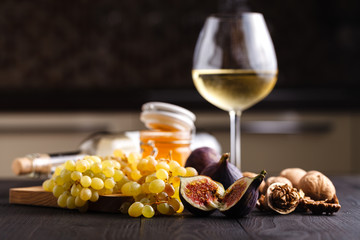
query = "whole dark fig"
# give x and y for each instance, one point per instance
(201, 157)
(223, 171)
(200, 194)
(240, 198)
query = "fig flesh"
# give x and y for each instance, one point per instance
(223, 171)
(201, 195)
(201, 158)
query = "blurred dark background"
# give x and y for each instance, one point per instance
(116, 55)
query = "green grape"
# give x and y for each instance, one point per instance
(125, 189)
(142, 165)
(76, 175)
(169, 189)
(79, 202)
(67, 185)
(94, 196)
(125, 207)
(145, 187)
(109, 183)
(151, 165)
(157, 186)
(190, 172)
(97, 183)
(96, 167)
(150, 178)
(117, 165)
(95, 159)
(108, 163)
(135, 189)
(70, 202)
(162, 165)
(82, 165)
(148, 211)
(101, 176)
(108, 171)
(135, 210)
(174, 203)
(48, 185)
(70, 165)
(162, 196)
(162, 174)
(75, 190)
(136, 175)
(163, 208)
(66, 175)
(89, 173)
(133, 157)
(58, 190)
(58, 170)
(145, 200)
(59, 180)
(179, 171)
(62, 200)
(107, 191)
(85, 181)
(118, 175)
(173, 164)
(85, 194)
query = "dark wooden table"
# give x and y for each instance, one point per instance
(29, 222)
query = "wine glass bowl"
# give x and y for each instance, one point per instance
(234, 66)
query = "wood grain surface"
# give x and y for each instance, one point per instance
(33, 222)
(36, 196)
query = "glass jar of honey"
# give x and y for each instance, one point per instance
(173, 145)
(170, 131)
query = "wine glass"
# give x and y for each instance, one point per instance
(234, 67)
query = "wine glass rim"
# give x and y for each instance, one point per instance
(233, 15)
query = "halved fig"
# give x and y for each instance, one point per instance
(240, 198)
(200, 194)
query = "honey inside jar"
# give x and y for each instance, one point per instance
(173, 145)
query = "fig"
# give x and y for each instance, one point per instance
(202, 196)
(223, 171)
(241, 197)
(201, 157)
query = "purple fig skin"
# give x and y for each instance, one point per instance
(202, 157)
(223, 171)
(247, 203)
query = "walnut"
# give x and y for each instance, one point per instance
(281, 198)
(317, 186)
(319, 207)
(272, 180)
(294, 175)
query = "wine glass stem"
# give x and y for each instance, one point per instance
(235, 145)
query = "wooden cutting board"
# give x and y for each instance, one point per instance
(36, 196)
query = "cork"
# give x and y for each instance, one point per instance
(22, 165)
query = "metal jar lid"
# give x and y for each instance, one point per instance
(166, 116)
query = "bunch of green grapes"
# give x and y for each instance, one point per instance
(153, 184)
(76, 183)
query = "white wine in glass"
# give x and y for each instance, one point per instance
(234, 67)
